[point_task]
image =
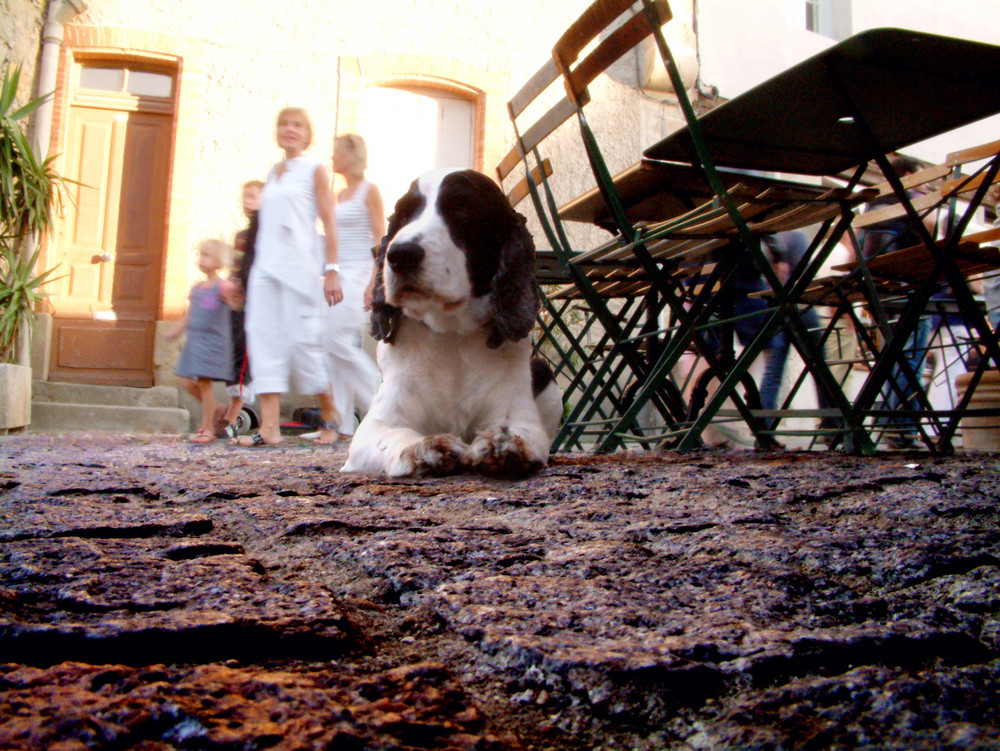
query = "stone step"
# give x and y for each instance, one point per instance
(120, 396)
(70, 406)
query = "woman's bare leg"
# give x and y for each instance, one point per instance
(270, 422)
(331, 419)
(206, 395)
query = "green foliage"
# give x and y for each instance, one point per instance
(20, 290)
(28, 191)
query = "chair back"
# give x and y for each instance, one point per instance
(608, 29)
(616, 27)
(589, 338)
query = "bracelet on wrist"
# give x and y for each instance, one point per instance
(332, 267)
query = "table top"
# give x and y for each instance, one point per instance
(906, 86)
(653, 191)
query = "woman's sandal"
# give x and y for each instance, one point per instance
(256, 440)
(227, 432)
(202, 437)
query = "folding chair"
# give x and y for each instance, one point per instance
(858, 100)
(918, 274)
(900, 287)
(599, 37)
(568, 334)
(591, 316)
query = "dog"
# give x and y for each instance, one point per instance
(453, 302)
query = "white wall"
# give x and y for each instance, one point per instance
(970, 19)
(741, 44)
(264, 54)
(978, 20)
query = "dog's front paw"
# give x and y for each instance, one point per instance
(502, 453)
(434, 455)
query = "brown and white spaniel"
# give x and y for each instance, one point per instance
(453, 304)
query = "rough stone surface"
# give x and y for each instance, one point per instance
(20, 35)
(159, 594)
(15, 396)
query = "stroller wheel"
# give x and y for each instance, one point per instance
(247, 420)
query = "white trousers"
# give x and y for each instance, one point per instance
(284, 337)
(354, 377)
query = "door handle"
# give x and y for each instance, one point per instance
(103, 258)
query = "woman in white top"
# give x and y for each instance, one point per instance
(360, 225)
(285, 297)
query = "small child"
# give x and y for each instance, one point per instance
(207, 354)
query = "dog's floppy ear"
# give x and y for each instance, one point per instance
(385, 317)
(515, 295)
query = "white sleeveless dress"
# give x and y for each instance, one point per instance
(353, 375)
(284, 311)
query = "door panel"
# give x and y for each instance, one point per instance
(440, 132)
(100, 346)
(111, 247)
(141, 213)
(89, 229)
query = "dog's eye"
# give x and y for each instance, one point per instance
(407, 207)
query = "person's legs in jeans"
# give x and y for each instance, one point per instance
(775, 352)
(904, 396)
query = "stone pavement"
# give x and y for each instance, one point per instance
(160, 594)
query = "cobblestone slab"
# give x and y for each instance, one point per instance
(710, 600)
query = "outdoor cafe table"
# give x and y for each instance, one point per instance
(831, 115)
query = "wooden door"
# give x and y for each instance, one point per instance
(110, 247)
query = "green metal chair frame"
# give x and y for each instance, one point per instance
(914, 298)
(598, 25)
(595, 381)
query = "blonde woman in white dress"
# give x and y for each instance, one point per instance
(294, 279)
(360, 225)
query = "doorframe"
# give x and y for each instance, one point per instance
(487, 89)
(188, 57)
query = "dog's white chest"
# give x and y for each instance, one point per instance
(451, 382)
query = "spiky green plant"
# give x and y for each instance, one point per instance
(29, 188)
(20, 291)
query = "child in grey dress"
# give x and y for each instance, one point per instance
(207, 354)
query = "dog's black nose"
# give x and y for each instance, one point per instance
(405, 257)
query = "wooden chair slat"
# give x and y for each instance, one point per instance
(986, 236)
(916, 264)
(920, 203)
(594, 20)
(608, 51)
(540, 81)
(916, 179)
(510, 160)
(522, 188)
(973, 154)
(964, 184)
(547, 123)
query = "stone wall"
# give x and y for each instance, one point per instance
(241, 62)
(261, 57)
(20, 40)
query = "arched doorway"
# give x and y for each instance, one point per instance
(411, 130)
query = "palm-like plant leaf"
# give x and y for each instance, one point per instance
(29, 188)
